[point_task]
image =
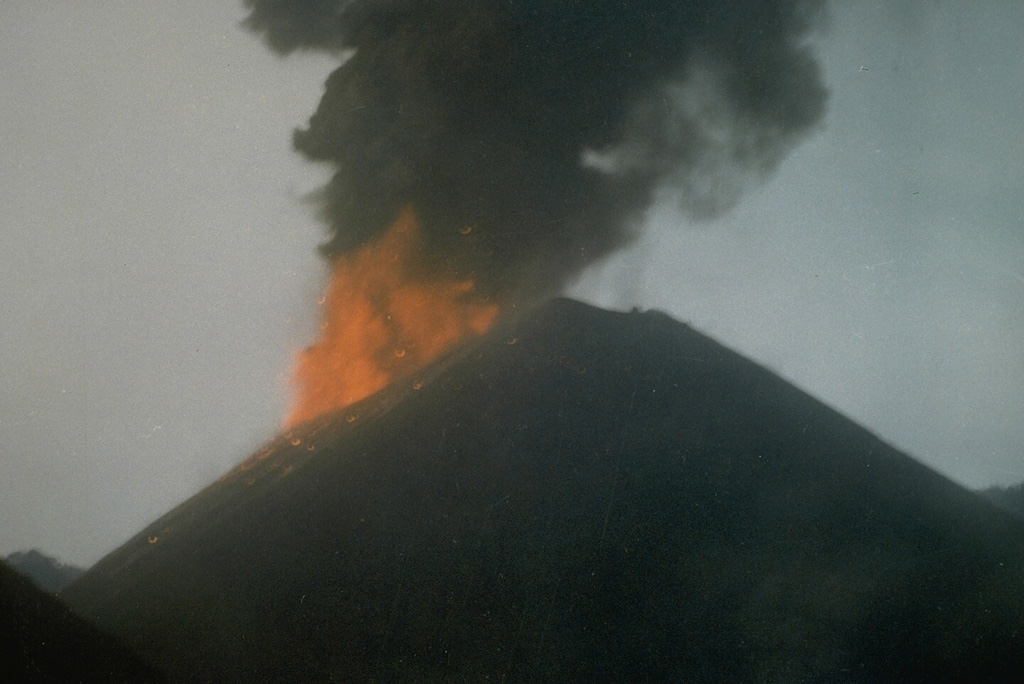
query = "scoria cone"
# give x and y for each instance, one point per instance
(580, 496)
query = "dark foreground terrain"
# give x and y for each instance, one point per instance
(582, 496)
(43, 642)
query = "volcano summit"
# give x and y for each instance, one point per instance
(576, 496)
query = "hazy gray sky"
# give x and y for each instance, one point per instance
(159, 265)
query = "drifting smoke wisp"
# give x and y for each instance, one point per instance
(529, 136)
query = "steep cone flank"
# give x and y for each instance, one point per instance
(582, 496)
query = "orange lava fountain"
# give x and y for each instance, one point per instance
(382, 321)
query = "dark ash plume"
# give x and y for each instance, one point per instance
(545, 126)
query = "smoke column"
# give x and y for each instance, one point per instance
(529, 136)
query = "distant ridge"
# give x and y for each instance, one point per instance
(43, 642)
(48, 573)
(581, 496)
(1010, 499)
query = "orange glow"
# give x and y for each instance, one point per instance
(382, 322)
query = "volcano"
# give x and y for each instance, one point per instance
(577, 496)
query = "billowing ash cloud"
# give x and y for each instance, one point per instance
(545, 126)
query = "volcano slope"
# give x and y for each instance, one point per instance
(580, 496)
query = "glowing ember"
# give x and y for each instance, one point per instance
(381, 322)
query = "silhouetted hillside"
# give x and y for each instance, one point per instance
(42, 641)
(49, 574)
(582, 496)
(1010, 499)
